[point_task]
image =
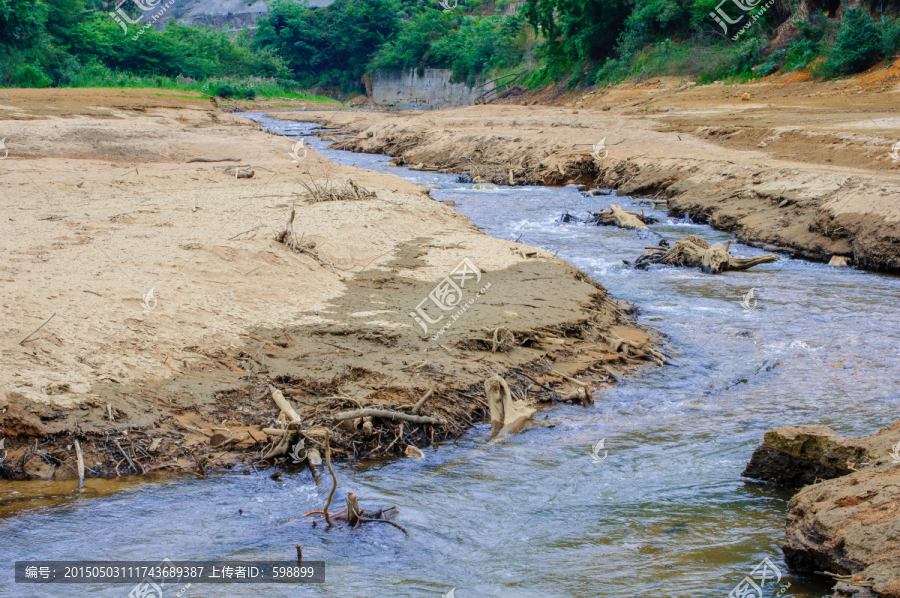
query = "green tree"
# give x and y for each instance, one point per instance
(21, 21)
(578, 31)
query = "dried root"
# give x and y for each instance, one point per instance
(290, 240)
(501, 340)
(693, 252)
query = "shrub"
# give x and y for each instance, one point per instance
(31, 75)
(858, 44)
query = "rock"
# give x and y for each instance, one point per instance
(596, 192)
(484, 187)
(762, 144)
(412, 451)
(38, 469)
(217, 439)
(796, 456)
(577, 186)
(847, 524)
(606, 107)
(448, 202)
(745, 97)
(839, 261)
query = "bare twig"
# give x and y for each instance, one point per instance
(334, 479)
(38, 328)
(421, 402)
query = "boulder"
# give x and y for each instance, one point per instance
(846, 521)
(800, 455)
(850, 527)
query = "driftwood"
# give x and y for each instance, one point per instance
(80, 457)
(507, 416)
(285, 407)
(616, 216)
(694, 252)
(352, 509)
(421, 402)
(391, 415)
(289, 437)
(353, 513)
(334, 483)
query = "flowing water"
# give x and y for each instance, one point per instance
(661, 511)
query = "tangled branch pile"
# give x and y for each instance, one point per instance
(333, 191)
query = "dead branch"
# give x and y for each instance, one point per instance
(391, 415)
(421, 402)
(38, 328)
(334, 484)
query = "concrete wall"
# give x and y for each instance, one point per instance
(431, 90)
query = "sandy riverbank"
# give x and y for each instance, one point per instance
(800, 165)
(106, 201)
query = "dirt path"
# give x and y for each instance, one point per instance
(801, 165)
(171, 309)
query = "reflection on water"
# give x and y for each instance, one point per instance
(665, 514)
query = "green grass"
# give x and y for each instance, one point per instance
(96, 75)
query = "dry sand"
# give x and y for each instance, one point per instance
(102, 205)
(800, 165)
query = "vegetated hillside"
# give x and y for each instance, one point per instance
(600, 41)
(578, 42)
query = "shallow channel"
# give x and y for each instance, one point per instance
(664, 513)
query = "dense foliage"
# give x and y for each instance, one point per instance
(606, 40)
(59, 42)
(77, 42)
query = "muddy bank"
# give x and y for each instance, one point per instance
(844, 523)
(798, 167)
(149, 308)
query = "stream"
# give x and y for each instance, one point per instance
(663, 511)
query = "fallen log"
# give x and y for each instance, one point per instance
(391, 415)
